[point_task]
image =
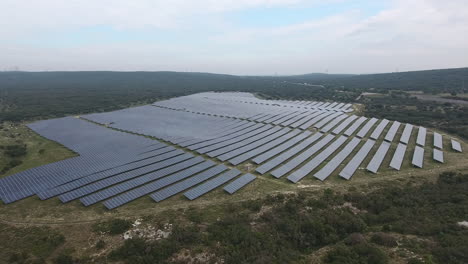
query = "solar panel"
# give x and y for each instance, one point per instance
(347, 107)
(257, 128)
(211, 184)
(185, 184)
(333, 123)
(354, 163)
(87, 189)
(317, 160)
(333, 105)
(398, 156)
(306, 119)
(267, 155)
(266, 117)
(253, 144)
(255, 152)
(456, 145)
(316, 119)
(379, 129)
(286, 118)
(136, 193)
(392, 131)
(234, 140)
(336, 161)
(355, 126)
(238, 183)
(279, 117)
(325, 105)
(218, 152)
(438, 155)
(100, 148)
(138, 181)
(344, 124)
(421, 139)
(296, 118)
(327, 119)
(406, 133)
(288, 154)
(365, 129)
(289, 166)
(437, 140)
(127, 168)
(245, 127)
(340, 105)
(418, 157)
(379, 156)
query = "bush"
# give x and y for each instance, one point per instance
(354, 239)
(100, 244)
(358, 254)
(15, 151)
(63, 259)
(384, 240)
(11, 164)
(112, 227)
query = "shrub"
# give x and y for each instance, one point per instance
(15, 151)
(112, 227)
(358, 254)
(354, 239)
(100, 244)
(63, 259)
(384, 240)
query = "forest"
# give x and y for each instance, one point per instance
(27, 96)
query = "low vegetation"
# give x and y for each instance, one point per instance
(401, 106)
(286, 228)
(413, 223)
(112, 227)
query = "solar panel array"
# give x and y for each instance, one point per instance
(279, 138)
(438, 155)
(357, 160)
(437, 140)
(378, 158)
(418, 157)
(237, 184)
(456, 145)
(406, 133)
(398, 156)
(421, 139)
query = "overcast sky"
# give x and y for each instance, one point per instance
(234, 36)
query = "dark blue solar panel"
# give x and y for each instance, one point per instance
(87, 189)
(240, 182)
(156, 185)
(185, 184)
(211, 184)
(133, 183)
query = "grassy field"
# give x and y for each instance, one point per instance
(40, 151)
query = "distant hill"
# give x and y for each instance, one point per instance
(33, 95)
(430, 81)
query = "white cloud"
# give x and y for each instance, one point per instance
(50, 14)
(408, 35)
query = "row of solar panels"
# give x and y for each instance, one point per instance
(333, 106)
(286, 103)
(250, 140)
(160, 169)
(156, 165)
(216, 104)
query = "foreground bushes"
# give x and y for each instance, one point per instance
(112, 227)
(297, 225)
